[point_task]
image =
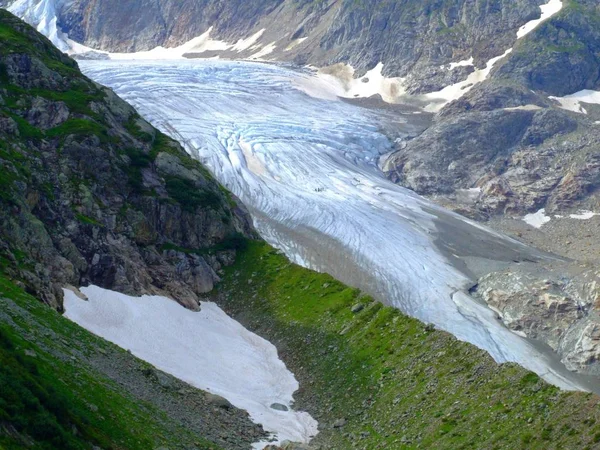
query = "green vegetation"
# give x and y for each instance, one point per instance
(191, 197)
(79, 127)
(16, 37)
(396, 382)
(53, 400)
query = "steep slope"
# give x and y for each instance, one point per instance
(376, 379)
(92, 194)
(68, 389)
(513, 139)
(320, 33)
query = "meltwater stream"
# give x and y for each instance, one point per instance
(305, 164)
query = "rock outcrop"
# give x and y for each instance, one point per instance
(561, 311)
(508, 140)
(92, 194)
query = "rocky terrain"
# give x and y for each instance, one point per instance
(92, 194)
(412, 39)
(507, 147)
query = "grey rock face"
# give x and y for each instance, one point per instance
(507, 139)
(559, 310)
(412, 39)
(91, 194)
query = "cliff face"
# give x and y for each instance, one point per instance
(509, 138)
(93, 194)
(410, 38)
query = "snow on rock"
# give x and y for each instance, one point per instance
(306, 168)
(199, 44)
(584, 215)
(548, 10)
(454, 65)
(206, 349)
(537, 219)
(437, 100)
(573, 102)
(295, 43)
(245, 44)
(340, 80)
(266, 50)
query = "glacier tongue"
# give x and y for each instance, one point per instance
(307, 169)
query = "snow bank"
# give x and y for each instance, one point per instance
(454, 65)
(206, 349)
(574, 101)
(339, 80)
(548, 10)
(266, 50)
(584, 215)
(437, 100)
(537, 219)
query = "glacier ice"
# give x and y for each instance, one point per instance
(306, 167)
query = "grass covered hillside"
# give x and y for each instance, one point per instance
(376, 379)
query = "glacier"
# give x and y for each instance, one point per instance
(305, 163)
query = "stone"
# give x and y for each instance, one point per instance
(218, 401)
(358, 308)
(339, 423)
(279, 407)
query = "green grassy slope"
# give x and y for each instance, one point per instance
(50, 398)
(395, 382)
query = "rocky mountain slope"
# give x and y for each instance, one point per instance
(508, 139)
(412, 39)
(92, 194)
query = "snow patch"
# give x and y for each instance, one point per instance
(537, 219)
(454, 65)
(584, 215)
(295, 44)
(266, 50)
(245, 44)
(340, 80)
(206, 349)
(548, 10)
(437, 100)
(573, 102)
(523, 108)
